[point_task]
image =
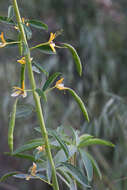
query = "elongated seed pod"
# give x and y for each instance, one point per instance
(80, 103)
(11, 126)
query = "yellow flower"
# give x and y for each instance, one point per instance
(3, 43)
(24, 21)
(40, 148)
(19, 91)
(23, 60)
(51, 43)
(60, 85)
(33, 169)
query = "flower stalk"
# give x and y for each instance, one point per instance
(36, 97)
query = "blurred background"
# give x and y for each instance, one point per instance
(98, 31)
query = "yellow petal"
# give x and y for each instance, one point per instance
(23, 20)
(59, 81)
(22, 61)
(2, 38)
(16, 93)
(52, 37)
(17, 88)
(33, 169)
(52, 45)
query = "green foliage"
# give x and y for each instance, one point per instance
(50, 80)
(38, 24)
(6, 20)
(55, 153)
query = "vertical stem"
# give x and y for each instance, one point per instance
(36, 98)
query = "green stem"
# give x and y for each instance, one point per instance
(36, 98)
(42, 44)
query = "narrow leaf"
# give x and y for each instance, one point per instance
(38, 24)
(50, 80)
(49, 171)
(80, 103)
(73, 185)
(62, 144)
(6, 20)
(41, 93)
(24, 110)
(27, 31)
(40, 68)
(64, 177)
(94, 141)
(27, 147)
(25, 156)
(9, 174)
(76, 173)
(12, 126)
(61, 157)
(87, 164)
(95, 165)
(37, 176)
(10, 12)
(75, 57)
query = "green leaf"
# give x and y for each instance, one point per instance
(80, 103)
(41, 93)
(50, 80)
(21, 176)
(40, 68)
(9, 174)
(76, 173)
(61, 157)
(27, 147)
(93, 141)
(38, 24)
(12, 126)
(75, 57)
(62, 144)
(95, 165)
(10, 12)
(75, 134)
(27, 31)
(25, 156)
(64, 176)
(87, 164)
(6, 20)
(45, 49)
(49, 171)
(24, 176)
(24, 110)
(73, 186)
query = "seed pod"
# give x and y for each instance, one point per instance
(11, 126)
